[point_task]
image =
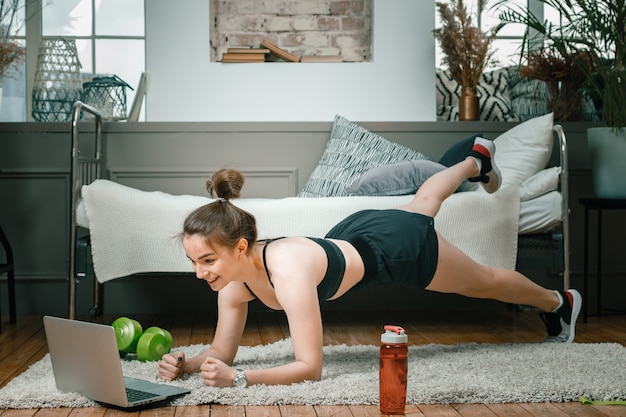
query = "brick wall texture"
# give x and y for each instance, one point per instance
(304, 27)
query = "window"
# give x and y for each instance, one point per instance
(507, 45)
(109, 36)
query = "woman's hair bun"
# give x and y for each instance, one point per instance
(225, 183)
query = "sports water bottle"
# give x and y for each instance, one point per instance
(393, 370)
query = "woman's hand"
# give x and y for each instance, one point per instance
(172, 366)
(216, 373)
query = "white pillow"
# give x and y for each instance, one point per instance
(541, 214)
(541, 183)
(524, 150)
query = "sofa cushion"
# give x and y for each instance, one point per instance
(539, 184)
(529, 97)
(395, 179)
(350, 151)
(524, 150)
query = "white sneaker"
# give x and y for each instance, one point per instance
(561, 324)
(490, 178)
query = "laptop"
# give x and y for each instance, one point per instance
(85, 359)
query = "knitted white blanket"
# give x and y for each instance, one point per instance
(134, 231)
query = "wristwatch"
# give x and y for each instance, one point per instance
(240, 380)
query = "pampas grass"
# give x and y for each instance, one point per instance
(467, 49)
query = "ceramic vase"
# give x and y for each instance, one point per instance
(608, 152)
(468, 104)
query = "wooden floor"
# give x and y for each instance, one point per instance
(24, 343)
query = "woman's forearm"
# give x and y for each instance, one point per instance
(291, 373)
(192, 365)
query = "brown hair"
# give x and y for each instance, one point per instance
(221, 221)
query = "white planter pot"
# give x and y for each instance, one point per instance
(608, 161)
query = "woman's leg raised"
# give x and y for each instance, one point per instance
(458, 273)
(437, 188)
(476, 167)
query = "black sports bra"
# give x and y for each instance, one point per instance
(334, 273)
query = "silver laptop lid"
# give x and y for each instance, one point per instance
(85, 359)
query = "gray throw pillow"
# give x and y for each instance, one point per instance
(395, 179)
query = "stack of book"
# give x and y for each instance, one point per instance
(270, 52)
(245, 55)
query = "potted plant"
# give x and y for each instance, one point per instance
(593, 34)
(467, 51)
(563, 79)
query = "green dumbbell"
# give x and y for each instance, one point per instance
(127, 334)
(153, 344)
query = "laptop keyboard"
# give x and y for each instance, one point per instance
(136, 395)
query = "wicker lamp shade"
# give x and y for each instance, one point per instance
(107, 94)
(57, 83)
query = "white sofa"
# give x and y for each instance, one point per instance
(135, 232)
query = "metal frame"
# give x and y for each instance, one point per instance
(565, 212)
(84, 170)
(555, 244)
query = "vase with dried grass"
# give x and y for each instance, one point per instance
(467, 51)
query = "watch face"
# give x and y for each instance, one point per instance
(240, 380)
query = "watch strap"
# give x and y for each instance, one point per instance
(240, 379)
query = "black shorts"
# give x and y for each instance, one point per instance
(396, 246)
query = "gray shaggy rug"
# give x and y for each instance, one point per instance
(438, 374)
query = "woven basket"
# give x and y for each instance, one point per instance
(57, 81)
(107, 94)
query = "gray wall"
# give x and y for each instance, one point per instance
(277, 159)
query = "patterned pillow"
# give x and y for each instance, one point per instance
(529, 98)
(352, 150)
(493, 96)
